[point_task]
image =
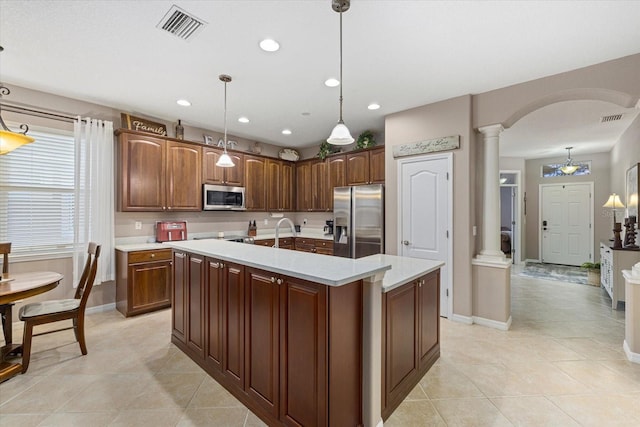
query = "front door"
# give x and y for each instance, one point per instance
(425, 229)
(565, 223)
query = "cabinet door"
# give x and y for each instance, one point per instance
(211, 174)
(376, 166)
(303, 365)
(287, 190)
(233, 339)
(235, 176)
(254, 178)
(336, 171)
(401, 335)
(214, 310)
(142, 176)
(429, 314)
(319, 185)
(179, 301)
(303, 186)
(195, 298)
(149, 286)
(184, 177)
(273, 184)
(358, 168)
(262, 338)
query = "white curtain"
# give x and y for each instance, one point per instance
(94, 196)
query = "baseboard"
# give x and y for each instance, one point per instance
(631, 356)
(379, 423)
(531, 260)
(467, 320)
(101, 308)
(502, 326)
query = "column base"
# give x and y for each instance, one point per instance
(491, 259)
(631, 356)
(492, 292)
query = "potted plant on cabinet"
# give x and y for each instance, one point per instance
(593, 272)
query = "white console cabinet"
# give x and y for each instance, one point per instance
(612, 262)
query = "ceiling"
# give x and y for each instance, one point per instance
(399, 54)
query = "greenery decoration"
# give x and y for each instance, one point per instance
(326, 149)
(365, 140)
(590, 266)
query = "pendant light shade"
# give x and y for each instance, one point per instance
(225, 161)
(569, 168)
(10, 140)
(340, 134)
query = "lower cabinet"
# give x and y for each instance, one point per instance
(289, 349)
(143, 281)
(410, 337)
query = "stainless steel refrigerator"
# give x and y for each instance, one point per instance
(358, 220)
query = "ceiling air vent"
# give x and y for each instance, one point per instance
(181, 24)
(611, 118)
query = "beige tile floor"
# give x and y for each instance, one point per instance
(561, 364)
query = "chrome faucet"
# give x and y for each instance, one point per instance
(293, 230)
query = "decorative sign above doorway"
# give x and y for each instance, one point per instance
(427, 146)
(143, 125)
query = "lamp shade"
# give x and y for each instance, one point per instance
(569, 169)
(340, 135)
(613, 202)
(225, 161)
(9, 141)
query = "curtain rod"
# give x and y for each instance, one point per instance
(39, 113)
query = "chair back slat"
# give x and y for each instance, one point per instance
(5, 250)
(88, 274)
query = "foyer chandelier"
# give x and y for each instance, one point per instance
(569, 168)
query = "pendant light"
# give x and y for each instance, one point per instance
(225, 161)
(569, 168)
(340, 134)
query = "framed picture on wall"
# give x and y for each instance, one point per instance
(632, 191)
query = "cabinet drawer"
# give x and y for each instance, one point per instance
(265, 242)
(324, 244)
(147, 256)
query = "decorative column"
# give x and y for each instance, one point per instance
(631, 345)
(491, 271)
(491, 206)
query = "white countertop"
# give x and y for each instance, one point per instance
(141, 247)
(403, 269)
(324, 269)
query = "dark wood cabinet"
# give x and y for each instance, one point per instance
(365, 167)
(212, 174)
(319, 186)
(336, 175)
(158, 174)
(279, 185)
(143, 281)
(255, 178)
(303, 186)
(320, 246)
(287, 348)
(262, 338)
(179, 302)
(410, 337)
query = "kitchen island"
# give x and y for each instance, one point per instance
(295, 336)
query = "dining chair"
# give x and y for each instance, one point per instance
(39, 313)
(5, 309)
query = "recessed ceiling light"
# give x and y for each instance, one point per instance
(286, 132)
(183, 102)
(332, 82)
(373, 106)
(243, 120)
(306, 113)
(269, 45)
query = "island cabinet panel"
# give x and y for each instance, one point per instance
(214, 312)
(255, 178)
(178, 296)
(410, 337)
(213, 174)
(195, 300)
(262, 338)
(234, 317)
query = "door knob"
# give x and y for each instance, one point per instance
(405, 242)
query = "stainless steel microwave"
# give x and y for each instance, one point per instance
(222, 197)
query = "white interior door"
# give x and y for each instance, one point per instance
(565, 221)
(425, 215)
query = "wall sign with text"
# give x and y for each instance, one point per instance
(427, 146)
(143, 125)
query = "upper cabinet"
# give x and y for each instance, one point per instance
(213, 174)
(336, 176)
(255, 169)
(158, 174)
(279, 185)
(365, 167)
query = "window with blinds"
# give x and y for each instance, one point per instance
(37, 195)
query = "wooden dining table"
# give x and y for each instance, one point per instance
(14, 287)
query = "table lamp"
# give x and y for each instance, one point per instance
(614, 203)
